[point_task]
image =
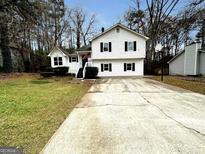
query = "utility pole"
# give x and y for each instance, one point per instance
(162, 66)
(159, 49)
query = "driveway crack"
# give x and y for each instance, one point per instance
(142, 105)
(168, 116)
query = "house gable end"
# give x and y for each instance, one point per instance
(120, 26)
(56, 49)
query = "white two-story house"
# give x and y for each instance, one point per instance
(117, 51)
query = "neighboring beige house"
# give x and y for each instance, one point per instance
(117, 51)
(191, 61)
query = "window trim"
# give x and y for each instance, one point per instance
(130, 46)
(57, 61)
(130, 66)
(105, 67)
(107, 47)
(108, 67)
(72, 60)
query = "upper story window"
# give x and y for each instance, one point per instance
(130, 46)
(106, 46)
(58, 61)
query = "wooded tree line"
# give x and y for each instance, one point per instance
(160, 21)
(36, 26)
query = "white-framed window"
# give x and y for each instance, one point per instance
(130, 46)
(129, 67)
(106, 47)
(58, 61)
(74, 59)
(106, 67)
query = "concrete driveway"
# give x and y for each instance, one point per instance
(131, 116)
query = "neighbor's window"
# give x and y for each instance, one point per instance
(105, 46)
(58, 61)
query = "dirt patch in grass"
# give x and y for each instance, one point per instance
(186, 83)
(32, 109)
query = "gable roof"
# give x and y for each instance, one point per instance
(176, 56)
(123, 27)
(64, 52)
(72, 51)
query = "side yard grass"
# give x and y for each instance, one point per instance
(32, 109)
(186, 83)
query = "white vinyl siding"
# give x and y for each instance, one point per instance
(118, 67)
(118, 45)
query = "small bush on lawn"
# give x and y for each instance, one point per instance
(91, 72)
(60, 71)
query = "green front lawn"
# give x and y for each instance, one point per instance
(32, 109)
(184, 82)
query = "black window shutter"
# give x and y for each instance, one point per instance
(125, 67)
(110, 67)
(135, 45)
(125, 45)
(77, 58)
(110, 46)
(70, 59)
(101, 47)
(133, 66)
(102, 68)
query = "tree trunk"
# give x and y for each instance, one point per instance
(78, 38)
(6, 54)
